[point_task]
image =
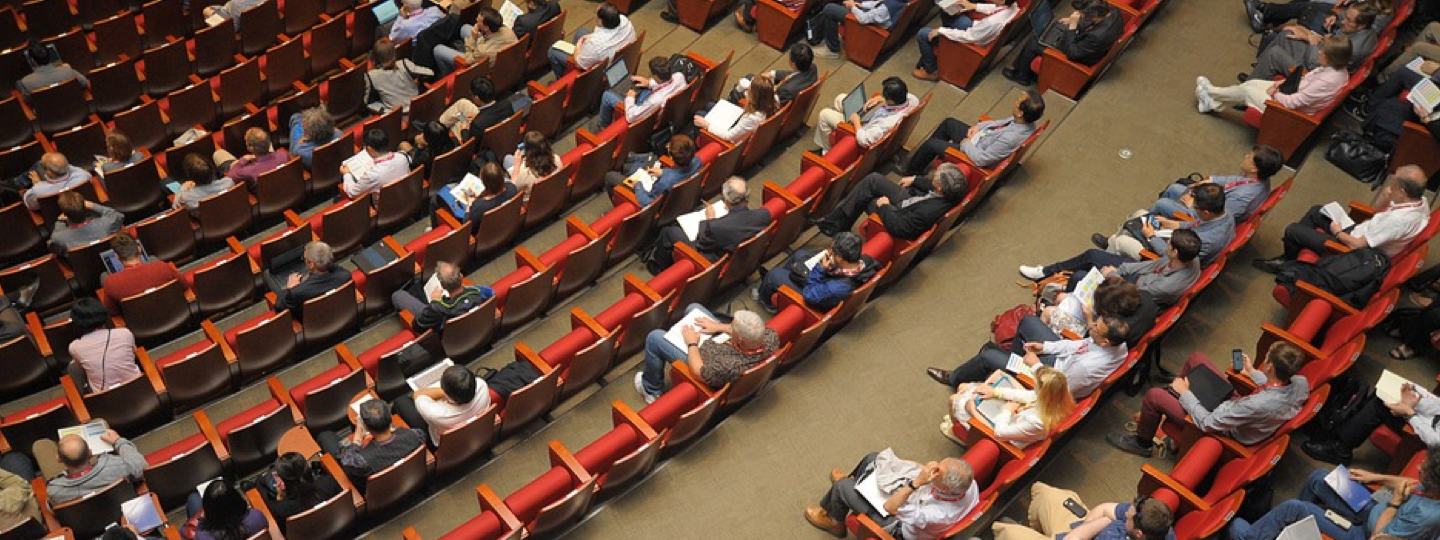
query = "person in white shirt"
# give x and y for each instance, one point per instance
(414, 17)
(922, 500)
(1085, 362)
(460, 397)
(648, 95)
(592, 48)
(1031, 415)
(963, 29)
(1402, 212)
(874, 120)
(759, 105)
(389, 166)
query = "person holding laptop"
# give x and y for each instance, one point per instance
(873, 118)
(1085, 37)
(1033, 414)
(1411, 511)
(1249, 419)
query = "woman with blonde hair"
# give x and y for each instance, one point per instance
(1029, 416)
(760, 103)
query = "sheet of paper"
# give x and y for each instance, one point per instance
(433, 288)
(359, 164)
(1337, 214)
(723, 115)
(214, 20)
(356, 405)
(564, 46)
(431, 376)
(1085, 290)
(509, 11)
(200, 488)
(1425, 94)
(674, 337)
(690, 223)
(642, 179)
(1415, 64)
(814, 260)
(869, 487)
(951, 7)
(1305, 529)
(467, 190)
(141, 513)
(1388, 387)
(91, 432)
(1017, 364)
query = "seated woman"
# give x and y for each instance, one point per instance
(222, 514)
(294, 486)
(105, 356)
(1318, 88)
(200, 183)
(759, 105)
(497, 191)
(391, 83)
(681, 150)
(119, 153)
(433, 140)
(1030, 415)
(533, 161)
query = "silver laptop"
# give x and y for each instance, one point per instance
(854, 101)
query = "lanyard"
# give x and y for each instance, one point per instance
(1239, 183)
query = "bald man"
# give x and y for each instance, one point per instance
(715, 236)
(922, 500)
(86, 472)
(453, 300)
(52, 175)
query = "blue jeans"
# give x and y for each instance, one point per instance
(193, 503)
(609, 99)
(445, 54)
(559, 58)
(928, 61)
(828, 25)
(780, 275)
(1315, 497)
(659, 353)
(1169, 202)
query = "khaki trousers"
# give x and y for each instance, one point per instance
(1048, 515)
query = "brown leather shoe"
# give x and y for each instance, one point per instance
(740, 21)
(821, 520)
(925, 75)
(836, 475)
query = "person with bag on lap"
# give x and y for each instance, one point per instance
(1401, 213)
(1244, 192)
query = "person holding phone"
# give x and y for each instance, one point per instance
(1417, 408)
(374, 446)
(1411, 510)
(1056, 512)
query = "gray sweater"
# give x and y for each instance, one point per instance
(125, 462)
(103, 222)
(1250, 419)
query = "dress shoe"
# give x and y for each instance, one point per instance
(1101, 241)
(1327, 451)
(1268, 265)
(669, 17)
(1128, 443)
(821, 520)
(740, 21)
(836, 475)
(824, 226)
(1242, 77)
(925, 75)
(1017, 77)
(939, 375)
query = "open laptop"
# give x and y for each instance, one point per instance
(1042, 20)
(617, 76)
(854, 101)
(385, 12)
(112, 261)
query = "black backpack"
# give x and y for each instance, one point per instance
(1347, 396)
(1354, 276)
(680, 63)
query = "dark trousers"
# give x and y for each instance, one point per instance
(1031, 328)
(1415, 329)
(1305, 234)
(1371, 415)
(19, 464)
(1387, 113)
(404, 406)
(859, 200)
(842, 499)
(990, 358)
(1091, 258)
(662, 252)
(746, 7)
(329, 442)
(827, 25)
(946, 135)
(781, 276)
(1028, 52)
(1159, 403)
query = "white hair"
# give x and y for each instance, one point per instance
(748, 326)
(413, 4)
(955, 477)
(735, 192)
(319, 254)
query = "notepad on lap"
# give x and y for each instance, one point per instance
(214, 20)
(1337, 214)
(1305, 529)
(724, 114)
(674, 334)
(1354, 494)
(642, 177)
(869, 487)
(1017, 365)
(359, 164)
(951, 7)
(430, 377)
(1425, 94)
(433, 288)
(994, 409)
(690, 223)
(141, 513)
(356, 405)
(91, 432)
(200, 488)
(564, 46)
(509, 12)
(1389, 387)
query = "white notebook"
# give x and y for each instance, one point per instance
(724, 115)
(430, 377)
(690, 223)
(1337, 214)
(141, 513)
(564, 46)
(1389, 386)
(674, 337)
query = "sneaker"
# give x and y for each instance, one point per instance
(1257, 17)
(823, 51)
(1204, 101)
(1128, 443)
(764, 303)
(640, 387)
(1033, 273)
(1357, 112)
(947, 428)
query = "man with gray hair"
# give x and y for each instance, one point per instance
(716, 352)
(51, 175)
(431, 309)
(386, 446)
(922, 501)
(414, 17)
(1401, 213)
(321, 276)
(907, 209)
(724, 226)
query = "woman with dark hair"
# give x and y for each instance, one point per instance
(294, 486)
(119, 153)
(531, 162)
(433, 140)
(106, 355)
(222, 514)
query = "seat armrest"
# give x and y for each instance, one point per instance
(490, 502)
(527, 354)
(679, 371)
(561, 457)
(579, 318)
(1152, 480)
(624, 415)
(202, 422)
(983, 429)
(75, 398)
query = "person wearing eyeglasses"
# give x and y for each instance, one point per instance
(1401, 507)
(1051, 516)
(922, 500)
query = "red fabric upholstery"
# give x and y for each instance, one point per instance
(776, 207)
(527, 501)
(317, 221)
(1197, 462)
(1253, 116)
(599, 456)
(676, 401)
(168, 453)
(1281, 295)
(673, 277)
(612, 131)
(621, 312)
(1035, 64)
(188, 277)
(1311, 319)
(182, 353)
(38, 408)
(613, 218)
(562, 351)
(419, 245)
(561, 251)
(370, 359)
(301, 391)
(844, 152)
(880, 247)
(502, 286)
(233, 334)
(983, 457)
(1167, 496)
(788, 323)
(254, 249)
(359, 278)
(709, 152)
(245, 418)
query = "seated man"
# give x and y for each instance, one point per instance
(138, 275)
(922, 500)
(1244, 192)
(826, 25)
(414, 17)
(537, 12)
(1092, 32)
(1165, 279)
(1417, 408)
(648, 95)
(877, 118)
(1426, 46)
(788, 83)
(1317, 88)
(1411, 511)
(49, 69)
(1114, 297)
(311, 129)
(82, 222)
(1050, 517)
(389, 166)
(1300, 46)
(681, 150)
(321, 276)
(486, 38)
(747, 342)
(431, 311)
(987, 143)
(961, 28)
(1085, 362)
(19, 503)
(231, 10)
(84, 472)
(1384, 113)
(459, 397)
(385, 446)
(262, 157)
(906, 209)
(468, 118)
(715, 237)
(840, 270)
(51, 175)
(1401, 213)
(1249, 419)
(612, 32)
(1214, 226)
(200, 183)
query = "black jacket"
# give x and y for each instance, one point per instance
(438, 311)
(800, 80)
(720, 236)
(528, 22)
(491, 114)
(911, 222)
(1089, 43)
(313, 286)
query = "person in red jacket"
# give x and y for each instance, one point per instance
(138, 275)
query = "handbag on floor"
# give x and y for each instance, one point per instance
(1353, 153)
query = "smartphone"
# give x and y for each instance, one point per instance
(1238, 359)
(1074, 507)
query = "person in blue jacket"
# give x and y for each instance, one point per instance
(836, 273)
(681, 150)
